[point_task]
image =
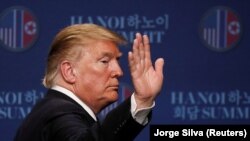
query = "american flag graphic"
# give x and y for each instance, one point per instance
(18, 28)
(221, 29)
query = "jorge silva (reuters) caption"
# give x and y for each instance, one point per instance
(206, 133)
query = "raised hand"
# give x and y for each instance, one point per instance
(147, 79)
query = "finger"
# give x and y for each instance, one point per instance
(132, 66)
(147, 51)
(138, 37)
(135, 53)
(159, 63)
(142, 54)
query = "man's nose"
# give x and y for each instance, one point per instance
(117, 71)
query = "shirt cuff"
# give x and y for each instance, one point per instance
(140, 115)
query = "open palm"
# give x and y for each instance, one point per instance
(147, 79)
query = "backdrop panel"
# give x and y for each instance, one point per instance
(204, 44)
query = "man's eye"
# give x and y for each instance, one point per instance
(104, 61)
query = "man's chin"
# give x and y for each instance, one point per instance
(114, 96)
(111, 99)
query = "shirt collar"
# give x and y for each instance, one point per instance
(75, 98)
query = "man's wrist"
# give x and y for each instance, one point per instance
(140, 114)
(143, 102)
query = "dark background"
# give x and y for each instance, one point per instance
(190, 66)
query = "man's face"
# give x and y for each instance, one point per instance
(97, 74)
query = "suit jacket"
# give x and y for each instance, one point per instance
(59, 118)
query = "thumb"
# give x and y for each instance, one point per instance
(159, 63)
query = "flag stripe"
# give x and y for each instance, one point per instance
(225, 29)
(222, 29)
(14, 28)
(218, 29)
(1, 33)
(10, 37)
(5, 36)
(213, 37)
(22, 21)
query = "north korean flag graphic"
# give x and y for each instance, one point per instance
(30, 28)
(233, 28)
(221, 29)
(18, 28)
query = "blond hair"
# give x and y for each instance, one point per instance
(68, 43)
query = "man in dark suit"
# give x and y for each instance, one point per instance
(82, 77)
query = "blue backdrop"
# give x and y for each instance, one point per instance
(204, 44)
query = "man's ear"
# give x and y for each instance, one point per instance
(68, 72)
